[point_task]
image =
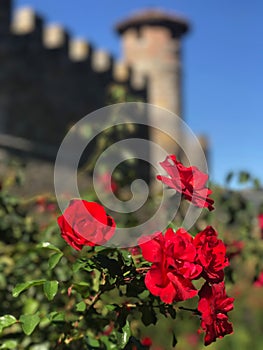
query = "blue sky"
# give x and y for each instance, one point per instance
(223, 67)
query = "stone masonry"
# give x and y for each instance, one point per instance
(152, 47)
(48, 81)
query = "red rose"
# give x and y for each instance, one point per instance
(214, 306)
(189, 181)
(85, 223)
(173, 268)
(146, 341)
(211, 254)
(259, 281)
(260, 221)
(107, 183)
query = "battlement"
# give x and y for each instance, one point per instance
(121, 72)
(26, 21)
(102, 61)
(54, 37)
(50, 80)
(79, 50)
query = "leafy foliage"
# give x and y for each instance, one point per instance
(56, 298)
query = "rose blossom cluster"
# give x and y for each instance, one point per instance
(177, 258)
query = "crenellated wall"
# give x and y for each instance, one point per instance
(49, 80)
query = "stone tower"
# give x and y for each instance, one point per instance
(151, 43)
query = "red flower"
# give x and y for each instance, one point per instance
(260, 221)
(214, 306)
(193, 339)
(85, 223)
(259, 281)
(211, 254)
(146, 341)
(108, 329)
(107, 183)
(43, 204)
(134, 251)
(173, 268)
(188, 181)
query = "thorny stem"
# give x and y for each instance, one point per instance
(33, 199)
(95, 299)
(142, 269)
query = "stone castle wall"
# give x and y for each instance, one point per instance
(48, 80)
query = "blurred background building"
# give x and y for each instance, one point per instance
(48, 81)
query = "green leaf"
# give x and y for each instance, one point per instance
(79, 264)
(82, 264)
(6, 321)
(124, 337)
(173, 226)
(81, 306)
(109, 345)
(126, 333)
(9, 344)
(54, 260)
(83, 288)
(29, 323)
(99, 249)
(126, 257)
(111, 307)
(19, 288)
(93, 343)
(47, 245)
(56, 316)
(144, 295)
(50, 289)
(30, 306)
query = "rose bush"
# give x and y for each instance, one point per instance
(95, 297)
(102, 290)
(177, 258)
